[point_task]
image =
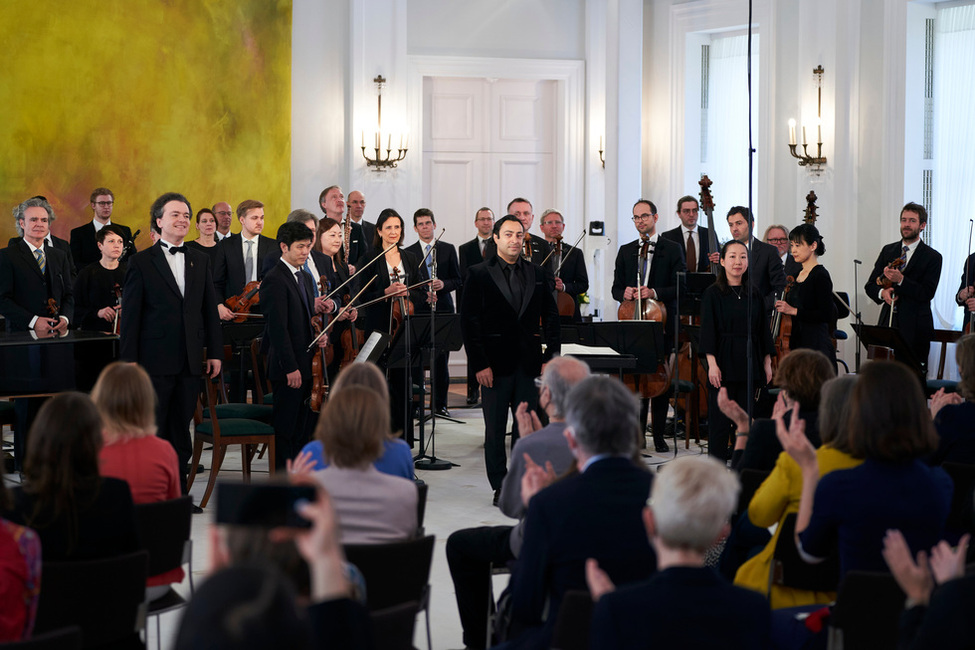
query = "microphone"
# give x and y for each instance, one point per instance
(857, 262)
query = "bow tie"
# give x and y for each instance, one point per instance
(177, 249)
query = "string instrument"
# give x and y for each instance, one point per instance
(566, 303)
(402, 306)
(526, 250)
(117, 290)
(241, 305)
(646, 309)
(321, 359)
(782, 327)
(969, 315)
(352, 338)
(707, 204)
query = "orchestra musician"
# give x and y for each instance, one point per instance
(810, 299)
(471, 253)
(572, 278)
(84, 244)
(240, 257)
(327, 261)
(534, 249)
(98, 287)
(724, 334)
(658, 280)
(693, 239)
(206, 241)
(965, 297)
(766, 272)
(910, 283)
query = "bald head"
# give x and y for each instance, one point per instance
(357, 205)
(224, 215)
(560, 376)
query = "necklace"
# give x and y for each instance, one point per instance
(737, 292)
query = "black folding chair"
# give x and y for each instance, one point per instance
(790, 570)
(867, 612)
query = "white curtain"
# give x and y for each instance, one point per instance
(953, 191)
(727, 134)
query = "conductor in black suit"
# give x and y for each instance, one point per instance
(570, 262)
(764, 265)
(170, 316)
(914, 282)
(444, 256)
(658, 280)
(471, 253)
(240, 257)
(288, 296)
(693, 239)
(84, 248)
(508, 312)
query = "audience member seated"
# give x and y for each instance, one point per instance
(800, 375)
(684, 604)
(396, 458)
(778, 496)
(126, 401)
(471, 551)
(954, 413)
(372, 507)
(20, 574)
(78, 514)
(592, 514)
(940, 598)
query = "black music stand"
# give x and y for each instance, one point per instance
(888, 337)
(642, 339)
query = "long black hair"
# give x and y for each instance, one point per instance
(722, 280)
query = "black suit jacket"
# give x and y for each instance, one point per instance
(667, 262)
(503, 336)
(60, 245)
(84, 246)
(702, 265)
(914, 294)
(765, 271)
(448, 270)
(596, 514)
(470, 254)
(574, 275)
(228, 273)
(24, 290)
(368, 236)
(162, 330)
(359, 247)
(288, 323)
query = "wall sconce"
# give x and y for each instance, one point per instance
(816, 162)
(602, 159)
(378, 161)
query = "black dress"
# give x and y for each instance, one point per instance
(813, 325)
(209, 250)
(94, 289)
(724, 334)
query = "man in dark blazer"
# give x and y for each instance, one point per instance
(688, 212)
(288, 298)
(658, 281)
(572, 278)
(913, 284)
(448, 280)
(593, 514)
(534, 248)
(53, 242)
(357, 208)
(84, 248)
(471, 253)
(32, 273)
(644, 615)
(764, 265)
(332, 202)
(508, 312)
(233, 270)
(169, 316)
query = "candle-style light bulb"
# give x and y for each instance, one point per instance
(792, 132)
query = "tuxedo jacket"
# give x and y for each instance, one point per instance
(24, 290)
(162, 330)
(540, 251)
(228, 273)
(667, 262)
(448, 270)
(702, 264)
(765, 271)
(288, 322)
(914, 294)
(501, 335)
(84, 246)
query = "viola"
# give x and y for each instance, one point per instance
(896, 264)
(241, 305)
(782, 327)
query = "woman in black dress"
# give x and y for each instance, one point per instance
(206, 242)
(328, 241)
(96, 300)
(724, 334)
(810, 300)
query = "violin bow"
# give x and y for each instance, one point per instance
(314, 341)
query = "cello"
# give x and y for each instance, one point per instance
(566, 303)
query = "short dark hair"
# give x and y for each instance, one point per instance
(156, 211)
(482, 209)
(518, 199)
(684, 199)
(384, 216)
(743, 211)
(922, 214)
(290, 231)
(505, 219)
(653, 207)
(110, 229)
(205, 211)
(100, 191)
(424, 212)
(802, 374)
(244, 206)
(806, 233)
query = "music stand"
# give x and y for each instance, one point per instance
(642, 339)
(888, 337)
(372, 350)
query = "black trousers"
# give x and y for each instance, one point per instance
(470, 552)
(507, 392)
(176, 397)
(720, 428)
(293, 421)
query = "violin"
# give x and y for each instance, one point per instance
(526, 251)
(117, 290)
(782, 327)
(241, 305)
(402, 306)
(885, 282)
(320, 360)
(566, 304)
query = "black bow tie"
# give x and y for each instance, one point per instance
(177, 249)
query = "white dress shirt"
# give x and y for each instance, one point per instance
(177, 264)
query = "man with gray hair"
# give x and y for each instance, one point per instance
(572, 277)
(592, 514)
(688, 512)
(471, 551)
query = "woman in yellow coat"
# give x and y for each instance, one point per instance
(778, 496)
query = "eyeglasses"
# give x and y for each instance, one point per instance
(643, 217)
(777, 240)
(104, 204)
(224, 212)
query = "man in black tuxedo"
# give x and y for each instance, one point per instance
(572, 278)
(658, 280)
(534, 248)
(471, 253)
(448, 280)
(764, 266)
(508, 310)
(288, 298)
(594, 514)
(170, 317)
(240, 258)
(84, 248)
(32, 273)
(332, 202)
(693, 239)
(357, 208)
(914, 282)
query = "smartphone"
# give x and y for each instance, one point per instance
(265, 505)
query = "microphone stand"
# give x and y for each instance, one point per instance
(856, 310)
